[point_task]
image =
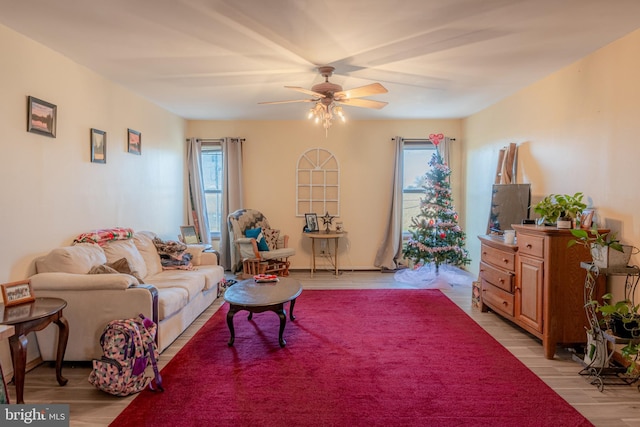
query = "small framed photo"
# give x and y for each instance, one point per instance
(189, 235)
(15, 293)
(134, 142)
(312, 221)
(98, 146)
(41, 117)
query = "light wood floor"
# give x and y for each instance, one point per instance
(615, 406)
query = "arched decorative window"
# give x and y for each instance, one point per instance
(318, 183)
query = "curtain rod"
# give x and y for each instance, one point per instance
(421, 139)
(216, 139)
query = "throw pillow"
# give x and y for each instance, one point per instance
(103, 269)
(122, 266)
(256, 233)
(126, 249)
(271, 236)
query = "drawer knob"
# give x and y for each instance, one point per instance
(505, 303)
(529, 246)
(506, 261)
(501, 280)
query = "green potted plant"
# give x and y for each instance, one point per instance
(622, 319)
(600, 246)
(572, 207)
(560, 207)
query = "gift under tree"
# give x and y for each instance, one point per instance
(436, 237)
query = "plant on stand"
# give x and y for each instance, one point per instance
(600, 245)
(622, 319)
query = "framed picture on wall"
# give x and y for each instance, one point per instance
(15, 293)
(312, 221)
(98, 146)
(41, 117)
(134, 142)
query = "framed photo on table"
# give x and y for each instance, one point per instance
(189, 235)
(15, 293)
(312, 221)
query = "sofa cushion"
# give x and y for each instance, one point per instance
(278, 253)
(144, 242)
(192, 281)
(196, 251)
(126, 249)
(76, 259)
(170, 301)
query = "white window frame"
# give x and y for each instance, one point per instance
(426, 146)
(208, 147)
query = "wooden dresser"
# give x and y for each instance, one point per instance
(538, 284)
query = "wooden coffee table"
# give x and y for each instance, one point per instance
(259, 297)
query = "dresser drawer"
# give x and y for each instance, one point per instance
(498, 258)
(498, 299)
(531, 245)
(497, 277)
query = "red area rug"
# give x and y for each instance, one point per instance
(353, 358)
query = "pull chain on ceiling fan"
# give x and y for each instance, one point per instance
(327, 96)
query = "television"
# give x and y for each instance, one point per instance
(509, 205)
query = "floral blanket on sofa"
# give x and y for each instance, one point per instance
(103, 236)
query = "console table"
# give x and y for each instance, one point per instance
(324, 235)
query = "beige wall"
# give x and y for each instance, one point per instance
(577, 130)
(50, 190)
(365, 153)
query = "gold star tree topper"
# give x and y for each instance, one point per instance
(327, 220)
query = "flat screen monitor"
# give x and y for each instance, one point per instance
(509, 205)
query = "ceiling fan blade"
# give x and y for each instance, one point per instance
(288, 102)
(306, 91)
(372, 89)
(364, 103)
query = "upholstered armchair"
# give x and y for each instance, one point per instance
(257, 248)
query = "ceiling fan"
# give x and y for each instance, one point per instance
(327, 96)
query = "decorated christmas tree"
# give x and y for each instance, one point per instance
(436, 236)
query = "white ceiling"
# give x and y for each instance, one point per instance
(216, 59)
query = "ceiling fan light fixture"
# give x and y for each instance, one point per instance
(325, 112)
(327, 95)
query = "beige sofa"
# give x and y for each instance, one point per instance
(174, 298)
